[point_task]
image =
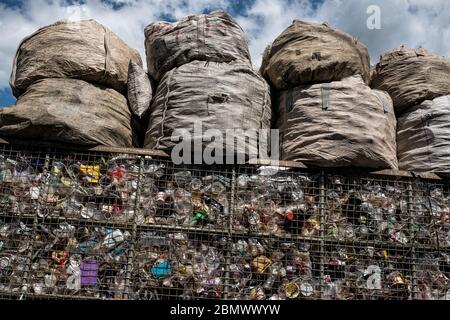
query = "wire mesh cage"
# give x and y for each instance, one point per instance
(77, 224)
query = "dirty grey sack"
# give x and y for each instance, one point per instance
(69, 111)
(84, 50)
(140, 92)
(423, 137)
(308, 53)
(411, 76)
(219, 95)
(338, 124)
(212, 37)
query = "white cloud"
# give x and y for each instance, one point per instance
(409, 22)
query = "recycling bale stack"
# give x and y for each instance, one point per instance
(327, 114)
(70, 79)
(419, 84)
(205, 78)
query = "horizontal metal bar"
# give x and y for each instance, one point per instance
(106, 149)
(143, 152)
(277, 163)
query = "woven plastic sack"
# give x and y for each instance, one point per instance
(412, 76)
(214, 37)
(423, 137)
(308, 53)
(140, 92)
(338, 124)
(219, 95)
(71, 112)
(84, 50)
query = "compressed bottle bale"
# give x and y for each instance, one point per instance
(213, 37)
(307, 53)
(338, 124)
(69, 111)
(423, 137)
(84, 50)
(412, 76)
(222, 96)
(140, 92)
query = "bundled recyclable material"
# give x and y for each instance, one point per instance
(69, 78)
(69, 111)
(411, 76)
(276, 203)
(79, 261)
(140, 92)
(15, 241)
(219, 96)
(84, 50)
(123, 226)
(184, 198)
(175, 266)
(338, 124)
(313, 53)
(423, 138)
(214, 37)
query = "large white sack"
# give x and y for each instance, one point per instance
(84, 50)
(69, 111)
(308, 53)
(219, 95)
(214, 37)
(411, 76)
(338, 124)
(423, 137)
(140, 92)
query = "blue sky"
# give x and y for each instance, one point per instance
(410, 22)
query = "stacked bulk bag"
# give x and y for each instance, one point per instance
(327, 114)
(313, 53)
(84, 50)
(338, 124)
(68, 110)
(419, 84)
(222, 96)
(140, 91)
(205, 76)
(423, 137)
(412, 76)
(214, 37)
(69, 78)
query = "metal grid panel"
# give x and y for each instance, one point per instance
(179, 265)
(268, 268)
(100, 225)
(431, 260)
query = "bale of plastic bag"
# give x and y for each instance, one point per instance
(338, 124)
(412, 76)
(214, 37)
(308, 53)
(423, 137)
(140, 92)
(69, 111)
(84, 50)
(220, 96)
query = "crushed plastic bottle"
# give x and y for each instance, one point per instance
(272, 201)
(79, 261)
